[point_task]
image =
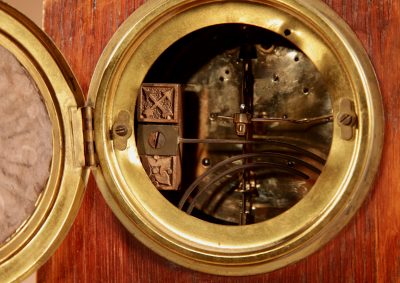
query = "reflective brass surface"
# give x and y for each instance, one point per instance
(238, 250)
(38, 238)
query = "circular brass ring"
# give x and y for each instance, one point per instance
(37, 239)
(262, 247)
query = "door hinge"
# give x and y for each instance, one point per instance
(88, 136)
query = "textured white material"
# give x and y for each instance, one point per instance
(25, 145)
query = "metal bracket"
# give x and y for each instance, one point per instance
(121, 130)
(156, 139)
(159, 126)
(347, 119)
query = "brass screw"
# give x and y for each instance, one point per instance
(156, 140)
(121, 130)
(346, 119)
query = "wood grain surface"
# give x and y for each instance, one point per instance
(99, 249)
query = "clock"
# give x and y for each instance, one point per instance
(230, 137)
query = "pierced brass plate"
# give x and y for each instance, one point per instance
(238, 250)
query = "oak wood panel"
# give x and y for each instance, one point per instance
(99, 249)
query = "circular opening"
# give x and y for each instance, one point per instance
(287, 32)
(243, 154)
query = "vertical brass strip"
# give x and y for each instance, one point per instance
(77, 137)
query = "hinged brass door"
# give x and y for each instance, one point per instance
(37, 237)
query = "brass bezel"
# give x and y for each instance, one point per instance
(258, 248)
(38, 238)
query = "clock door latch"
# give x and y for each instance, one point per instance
(347, 119)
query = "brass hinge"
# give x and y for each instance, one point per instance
(88, 136)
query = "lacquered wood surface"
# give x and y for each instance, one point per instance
(99, 249)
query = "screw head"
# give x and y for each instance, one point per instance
(121, 130)
(346, 119)
(156, 140)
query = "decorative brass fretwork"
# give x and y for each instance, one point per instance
(158, 131)
(158, 103)
(162, 171)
